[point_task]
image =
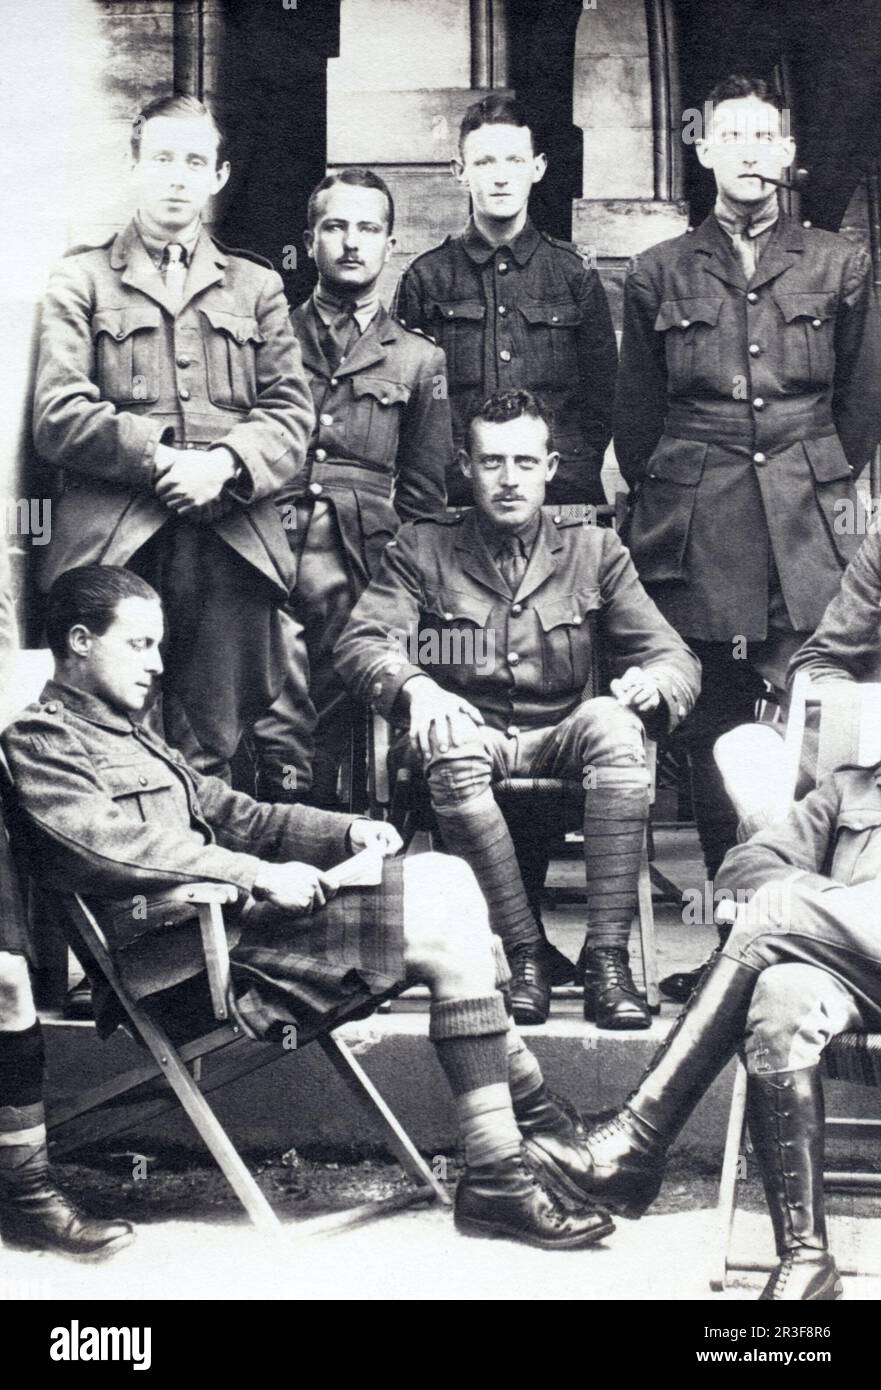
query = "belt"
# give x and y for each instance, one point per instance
(326, 476)
(785, 427)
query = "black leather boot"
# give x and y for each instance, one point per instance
(35, 1215)
(621, 1161)
(786, 1113)
(611, 999)
(530, 987)
(508, 1199)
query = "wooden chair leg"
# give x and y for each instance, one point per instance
(353, 1074)
(727, 1205)
(648, 947)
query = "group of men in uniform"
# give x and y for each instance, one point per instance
(281, 483)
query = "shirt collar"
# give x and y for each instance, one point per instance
(87, 706)
(480, 250)
(496, 539)
(328, 306)
(752, 224)
(156, 245)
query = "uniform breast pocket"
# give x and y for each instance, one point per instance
(808, 356)
(551, 350)
(857, 855)
(127, 353)
(567, 632)
(231, 345)
(691, 343)
(143, 791)
(374, 423)
(454, 633)
(458, 326)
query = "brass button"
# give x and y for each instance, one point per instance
(377, 688)
(816, 323)
(184, 361)
(503, 267)
(143, 781)
(120, 333)
(759, 403)
(760, 458)
(512, 730)
(52, 708)
(513, 658)
(752, 297)
(449, 313)
(334, 381)
(448, 617)
(184, 393)
(315, 489)
(505, 355)
(326, 419)
(320, 455)
(503, 309)
(807, 223)
(385, 400)
(555, 318)
(685, 323)
(516, 609)
(557, 520)
(754, 349)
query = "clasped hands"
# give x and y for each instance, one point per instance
(187, 479)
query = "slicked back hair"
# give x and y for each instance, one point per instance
(495, 109)
(357, 178)
(737, 85)
(181, 106)
(89, 594)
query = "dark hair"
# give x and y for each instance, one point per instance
(495, 109)
(510, 405)
(177, 105)
(736, 85)
(358, 178)
(89, 594)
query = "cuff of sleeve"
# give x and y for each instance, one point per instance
(240, 869)
(158, 434)
(385, 684)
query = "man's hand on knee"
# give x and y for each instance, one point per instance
(439, 719)
(637, 689)
(292, 887)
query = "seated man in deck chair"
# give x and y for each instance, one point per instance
(116, 814)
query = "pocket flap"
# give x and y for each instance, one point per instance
(451, 605)
(119, 323)
(679, 461)
(130, 779)
(682, 313)
(552, 315)
(382, 390)
(827, 459)
(459, 309)
(240, 327)
(569, 611)
(859, 818)
(806, 304)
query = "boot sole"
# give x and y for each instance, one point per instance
(91, 1256)
(469, 1226)
(630, 1209)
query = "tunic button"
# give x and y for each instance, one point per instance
(184, 361)
(505, 355)
(816, 323)
(754, 349)
(516, 609)
(685, 323)
(326, 419)
(448, 617)
(385, 400)
(449, 313)
(143, 781)
(513, 658)
(807, 224)
(758, 403)
(555, 318)
(120, 332)
(752, 297)
(333, 381)
(503, 309)
(52, 709)
(315, 489)
(557, 520)
(760, 458)
(320, 455)
(184, 393)
(377, 687)
(512, 730)
(503, 267)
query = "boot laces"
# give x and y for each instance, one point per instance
(611, 970)
(524, 968)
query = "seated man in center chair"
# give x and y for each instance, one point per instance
(477, 639)
(109, 810)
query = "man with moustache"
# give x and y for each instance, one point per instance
(378, 455)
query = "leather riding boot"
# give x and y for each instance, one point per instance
(611, 999)
(786, 1114)
(621, 1161)
(508, 1199)
(35, 1215)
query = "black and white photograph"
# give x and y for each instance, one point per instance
(440, 667)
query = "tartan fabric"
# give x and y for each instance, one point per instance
(855, 1057)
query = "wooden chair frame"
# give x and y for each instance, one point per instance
(849, 731)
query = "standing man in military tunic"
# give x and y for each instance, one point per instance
(170, 397)
(512, 306)
(748, 401)
(378, 455)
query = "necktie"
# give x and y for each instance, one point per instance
(174, 272)
(338, 337)
(512, 562)
(746, 250)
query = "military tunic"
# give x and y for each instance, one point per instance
(378, 455)
(533, 315)
(122, 370)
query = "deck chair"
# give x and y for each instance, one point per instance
(847, 721)
(406, 804)
(134, 1097)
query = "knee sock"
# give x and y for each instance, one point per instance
(469, 1036)
(475, 830)
(615, 814)
(22, 1121)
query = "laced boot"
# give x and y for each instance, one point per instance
(611, 999)
(509, 1199)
